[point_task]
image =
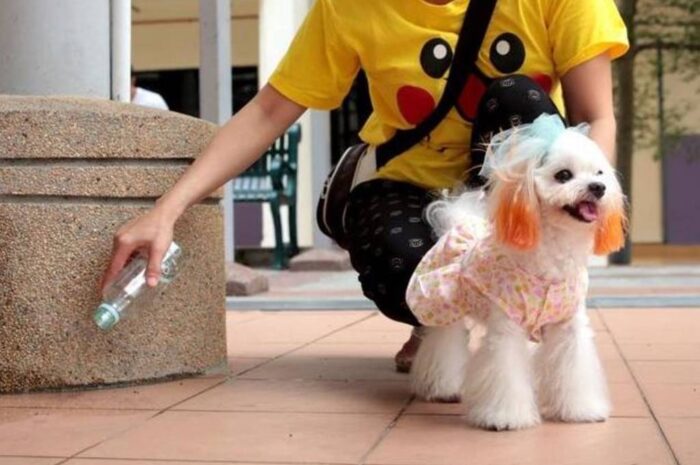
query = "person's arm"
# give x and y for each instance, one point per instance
(235, 147)
(588, 95)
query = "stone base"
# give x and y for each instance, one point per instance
(242, 281)
(321, 260)
(51, 261)
(72, 171)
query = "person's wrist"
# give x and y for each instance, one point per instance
(170, 209)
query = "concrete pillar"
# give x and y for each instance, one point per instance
(279, 21)
(215, 99)
(120, 35)
(55, 47)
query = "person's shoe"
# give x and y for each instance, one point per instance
(404, 357)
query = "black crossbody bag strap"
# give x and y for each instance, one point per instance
(471, 36)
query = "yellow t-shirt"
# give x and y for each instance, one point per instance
(405, 47)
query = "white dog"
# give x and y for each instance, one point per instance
(514, 259)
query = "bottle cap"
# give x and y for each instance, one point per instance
(106, 316)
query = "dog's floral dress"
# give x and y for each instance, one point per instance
(466, 274)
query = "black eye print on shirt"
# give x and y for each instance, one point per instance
(507, 53)
(436, 57)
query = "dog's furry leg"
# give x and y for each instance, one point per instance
(499, 390)
(437, 374)
(572, 384)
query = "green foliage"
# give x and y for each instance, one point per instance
(674, 27)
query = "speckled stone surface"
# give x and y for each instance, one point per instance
(72, 127)
(56, 233)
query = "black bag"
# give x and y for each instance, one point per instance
(360, 162)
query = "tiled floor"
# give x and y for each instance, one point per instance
(319, 388)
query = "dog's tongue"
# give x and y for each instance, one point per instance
(588, 211)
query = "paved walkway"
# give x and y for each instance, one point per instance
(319, 388)
(610, 287)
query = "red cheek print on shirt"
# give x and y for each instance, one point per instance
(544, 81)
(469, 99)
(415, 103)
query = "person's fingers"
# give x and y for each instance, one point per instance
(155, 257)
(122, 250)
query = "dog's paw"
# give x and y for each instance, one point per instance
(504, 418)
(437, 374)
(577, 404)
(443, 391)
(578, 411)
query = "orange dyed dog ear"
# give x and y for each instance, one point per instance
(610, 235)
(516, 216)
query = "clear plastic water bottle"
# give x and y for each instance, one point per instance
(130, 287)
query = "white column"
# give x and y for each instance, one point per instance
(215, 99)
(55, 47)
(279, 22)
(121, 50)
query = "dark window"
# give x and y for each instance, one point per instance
(347, 120)
(180, 88)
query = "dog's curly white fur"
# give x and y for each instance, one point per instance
(437, 372)
(570, 205)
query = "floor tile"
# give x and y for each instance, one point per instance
(626, 401)
(616, 371)
(670, 325)
(28, 461)
(154, 462)
(334, 362)
(683, 434)
(254, 349)
(421, 407)
(61, 433)
(236, 317)
(363, 336)
(434, 440)
(666, 372)
(292, 327)
(674, 400)
(607, 350)
(303, 396)
(379, 322)
(264, 437)
(152, 396)
(660, 351)
(603, 337)
(238, 365)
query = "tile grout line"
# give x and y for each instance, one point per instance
(284, 412)
(227, 378)
(223, 462)
(119, 433)
(387, 430)
(641, 391)
(39, 407)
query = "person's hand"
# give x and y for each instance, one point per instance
(152, 233)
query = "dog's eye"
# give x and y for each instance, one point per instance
(600, 172)
(563, 176)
